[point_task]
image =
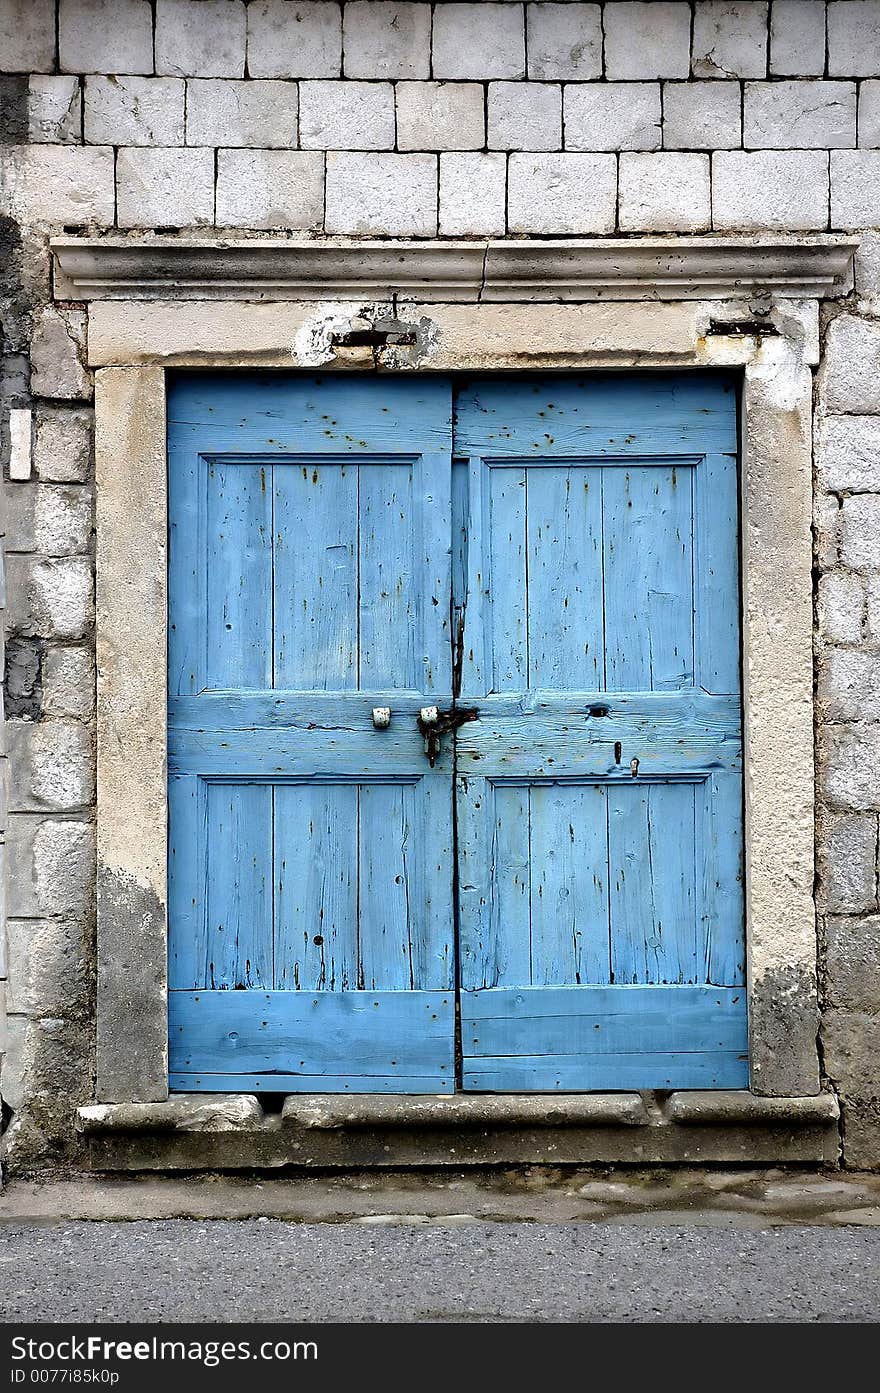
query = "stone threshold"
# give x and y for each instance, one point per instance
(316, 1131)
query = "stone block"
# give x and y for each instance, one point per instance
(382, 38)
(51, 866)
(855, 188)
(769, 190)
(647, 40)
(563, 195)
(105, 36)
(797, 38)
(472, 195)
(68, 682)
(853, 963)
(294, 38)
(848, 862)
(51, 519)
(165, 187)
(382, 194)
(872, 596)
(270, 188)
(853, 38)
(612, 116)
(63, 445)
(441, 116)
(702, 115)
(664, 193)
(867, 273)
(61, 184)
(134, 110)
(52, 766)
(524, 116)
(850, 377)
(51, 597)
(478, 41)
(730, 39)
(850, 767)
(346, 115)
(851, 1041)
(564, 41)
(20, 442)
(201, 38)
(788, 115)
(848, 453)
(861, 1134)
(869, 114)
(849, 685)
(860, 531)
(27, 36)
(841, 607)
(48, 967)
(58, 354)
(22, 688)
(221, 111)
(54, 111)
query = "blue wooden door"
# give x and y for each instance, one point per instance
(600, 793)
(310, 868)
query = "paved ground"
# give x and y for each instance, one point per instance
(461, 1270)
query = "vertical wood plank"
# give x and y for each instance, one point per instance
(238, 894)
(239, 575)
(651, 868)
(719, 814)
(507, 581)
(569, 896)
(187, 504)
(508, 961)
(566, 622)
(716, 539)
(187, 801)
(389, 602)
(315, 875)
(391, 894)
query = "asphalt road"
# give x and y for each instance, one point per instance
(268, 1270)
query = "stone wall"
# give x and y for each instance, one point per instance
(414, 120)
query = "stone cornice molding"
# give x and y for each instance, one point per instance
(791, 266)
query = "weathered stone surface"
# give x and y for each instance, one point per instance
(562, 194)
(114, 36)
(848, 453)
(647, 40)
(68, 683)
(849, 685)
(700, 1108)
(200, 38)
(387, 39)
(799, 114)
(860, 531)
(49, 597)
(376, 193)
(270, 188)
(27, 36)
(441, 116)
(165, 188)
(22, 691)
(850, 379)
(853, 38)
(797, 38)
(851, 1041)
(478, 41)
(52, 519)
(473, 190)
(54, 110)
(51, 766)
(252, 114)
(294, 38)
(20, 442)
(524, 117)
(58, 355)
(850, 766)
(664, 193)
(191, 1111)
(867, 273)
(67, 184)
(323, 1112)
(135, 110)
(855, 188)
(861, 1134)
(702, 115)
(63, 446)
(564, 41)
(770, 189)
(841, 607)
(848, 862)
(346, 115)
(730, 39)
(612, 116)
(51, 867)
(48, 967)
(852, 954)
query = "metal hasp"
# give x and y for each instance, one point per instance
(433, 723)
(381, 717)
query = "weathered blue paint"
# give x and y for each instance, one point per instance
(324, 551)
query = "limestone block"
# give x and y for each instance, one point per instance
(664, 193)
(867, 273)
(51, 866)
(849, 685)
(63, 445)
(841, 606)
(853, 963)
(860, 531)
(647, 40)
(702, 115)
(164, 187)
(479, 41)
(68, 680)
(861, 1137)
(851, 1040)
(382, 38)
(855, 188)
(564, 41)
(58, 355)
(769, 190)
(54, 110)
(850, 767)
(797, 38)
(270, 188)
(850, 377)
(52, 519)
(441, 116)
(201, 38)
(562, 194)
(62, 184)
(612, 116)
(848, 453)
(472, 195)
(346, 115)
(869, 114)
(222, 111)
(105, 36)
(50, 597)
(134, 110)
(52, 766)
(390, 194)
(20, 442)
(294, 38)
(524, 117)
(48, 967)
(848, 860)
(730, 39)
(796, 114)
(853, 38)
(872, 595)
(27, 36)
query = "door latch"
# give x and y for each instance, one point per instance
(434, 723)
